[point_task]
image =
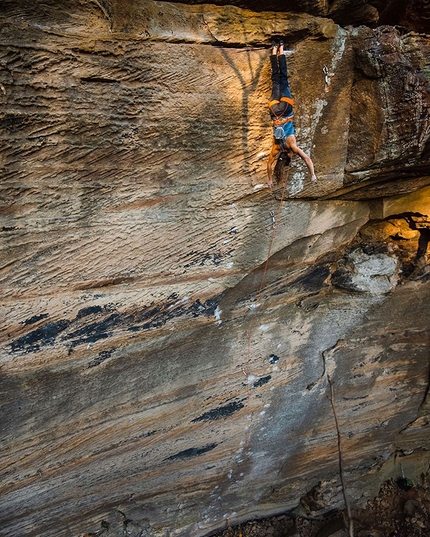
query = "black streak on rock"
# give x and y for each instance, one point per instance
(35, 318)
(214, 258)
(310, 282)
(313, 280)
(95, 331)
(44, 335)
(221, 412)
(99, 80)
(261, 382)
(146, 435)
(192, 452)
(102, 328)
(342, 278)
(273, 358)
(91, 310)
(102, 356)
(12, 120)
(95, 310)
(156, 317)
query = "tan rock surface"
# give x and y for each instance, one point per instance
(154, 368)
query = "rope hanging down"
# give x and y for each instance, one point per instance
(266, 265)
(275, 220)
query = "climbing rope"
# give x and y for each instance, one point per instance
(246, 371)
(275, 221)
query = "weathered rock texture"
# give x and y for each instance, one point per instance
(165, 349)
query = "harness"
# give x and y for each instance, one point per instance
(277, 120)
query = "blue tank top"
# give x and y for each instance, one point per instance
(288, 128)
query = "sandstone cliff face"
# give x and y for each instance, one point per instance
(165, 349)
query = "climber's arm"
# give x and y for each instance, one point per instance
(272, 158)
(295, 149)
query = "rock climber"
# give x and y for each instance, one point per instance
(281, 111)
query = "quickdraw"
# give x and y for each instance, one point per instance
(272, 214)
(326, 77)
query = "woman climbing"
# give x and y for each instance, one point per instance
(281, 112)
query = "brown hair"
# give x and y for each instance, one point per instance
(281, 166)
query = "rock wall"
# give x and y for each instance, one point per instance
(169, 322)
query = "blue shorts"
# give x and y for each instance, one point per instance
(288, 129)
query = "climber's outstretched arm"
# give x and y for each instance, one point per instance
(291, 143)
(272, 158)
